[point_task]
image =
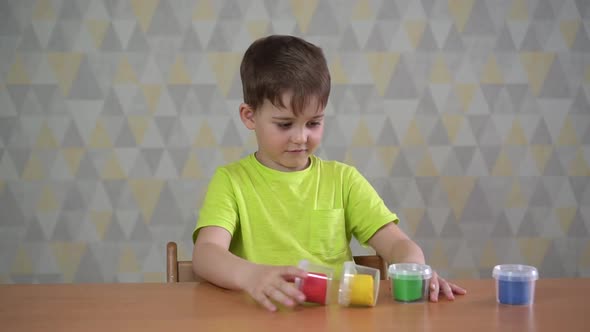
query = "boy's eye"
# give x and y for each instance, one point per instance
(314, 124)
(284, 125)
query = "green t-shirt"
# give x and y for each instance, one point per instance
(279, 218)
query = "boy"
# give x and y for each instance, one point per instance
(265, 212)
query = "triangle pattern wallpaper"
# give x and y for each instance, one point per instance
(470, 117)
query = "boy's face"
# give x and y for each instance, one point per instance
(285, 140)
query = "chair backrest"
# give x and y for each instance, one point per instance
(182, 271)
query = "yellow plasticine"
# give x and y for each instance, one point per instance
(361, 290)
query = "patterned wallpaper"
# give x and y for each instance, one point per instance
(470, 117)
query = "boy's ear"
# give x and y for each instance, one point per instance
(247, 116)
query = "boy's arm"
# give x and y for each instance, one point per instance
(212, 261)
(391, 243)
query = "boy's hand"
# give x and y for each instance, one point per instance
(274, 283)
(439, 285)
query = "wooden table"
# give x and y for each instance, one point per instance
(560, 305)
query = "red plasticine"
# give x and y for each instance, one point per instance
(314, 287)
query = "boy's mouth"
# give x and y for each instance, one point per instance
(297, 150)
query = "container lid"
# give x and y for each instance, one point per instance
(410, 270)
(515, 272)
(348, 273)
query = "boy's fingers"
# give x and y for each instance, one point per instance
(277, 295)
(265, 302)
(292, 292)
(293, 272)
(457, 290)
(446, 288)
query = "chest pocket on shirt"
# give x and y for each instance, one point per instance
(327, 233)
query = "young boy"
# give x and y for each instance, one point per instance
(265, 212)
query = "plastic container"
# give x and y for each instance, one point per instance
(410, 281)
(515, 283)
(316, 286)
(359, 285)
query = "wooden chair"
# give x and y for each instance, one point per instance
(182, 271)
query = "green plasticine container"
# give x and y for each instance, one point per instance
(409, 282)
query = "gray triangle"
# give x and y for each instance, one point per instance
(427, 43)
(113, 189)
(85, 85)
(119, 9)
(166, 211)
(137, 41)
(553, 264)
(126, 200)
(164, 22)
(479, 21)
(18, 94)
(9, 23)
(428, 7)
(477, 122)
(230, 10)
(11, 212)
(580, 104)
(402, 84)
(425, 229)
(376, 42)
(530, 42)
(68, 226)
(88, 269)
(504, 42)
(400, 166)
(61, 39)
(491, 92)
(464, 155)
(114, 232)
(72, 138)
(583, 8)
(20, 157)
(544, 11)
(454, 42)
(477, 209)
(69, 10)
(489, 136)
(363, 93)
(235, 91)
(426, 104)
(152, 157)
(218, 43)
(178, 138)
(29, 41)
(553, 166)
(555, 84)
(438, 136)
(578, 227)
(579, 186)
(142, 233)
(206, 94)
(111, 42)
(324, 22)
(335, 153)
(502, 228)
(541, 134)
(451, 229)
(388, 10)
(7, 126)
(517, 93)
(86, 169)
(165, 125)
(348, 43)
(231, 136)
(429, 189)
(45, 92)
(543, 30)
(179, 157)
(360, 157)
(540, 197)
(111, 105)
(140, 168)
(74, 200)
(528, 226)
(190, 41)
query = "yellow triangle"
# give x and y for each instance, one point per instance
(178, 72)
(257, 29)
(413, 136)
(138, 126)
(579, 166)
(303, 11)
(566, 217)
(415, 31)
(65, 67)
(515, 198)
(146, 193)
(337, 73)
(362, 10)
(204, 11)
(97, 30)
(440, 73)
(585, 256)
(99, 137)
(387, 155)
(101, 220)
(541, 154)
(191, 169)
(45, 140)
(34, 169)
(569, 29)
(225, 66)
(23, 264)
(205, 138)
(489, 257)
(144, 11)
(519, 11)
(47, 202)
(413, 217)
(67, 256)
(128, 261)
(452, 123)
(43, 10)
(567, 135)
(362, 136)
(460, 10)
(491, 73)
(537, 65)
(516, 135)
(72, 156)
(381, 65)
(465, 93)
(125, 73)
(152, 95)
(426, 167)
(458, 189)
(17, 73)
(533, 250)
(231, 154)
(112, 168)
(503, 165)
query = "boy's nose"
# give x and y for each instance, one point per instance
(299, 136)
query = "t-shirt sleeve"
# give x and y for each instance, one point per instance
(219, 206)
(365, 212)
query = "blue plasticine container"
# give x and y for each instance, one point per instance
(515, 283)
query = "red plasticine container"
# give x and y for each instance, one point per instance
(316, 286)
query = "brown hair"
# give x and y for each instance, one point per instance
(278, 64)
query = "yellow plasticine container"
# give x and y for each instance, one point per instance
(359, 285)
